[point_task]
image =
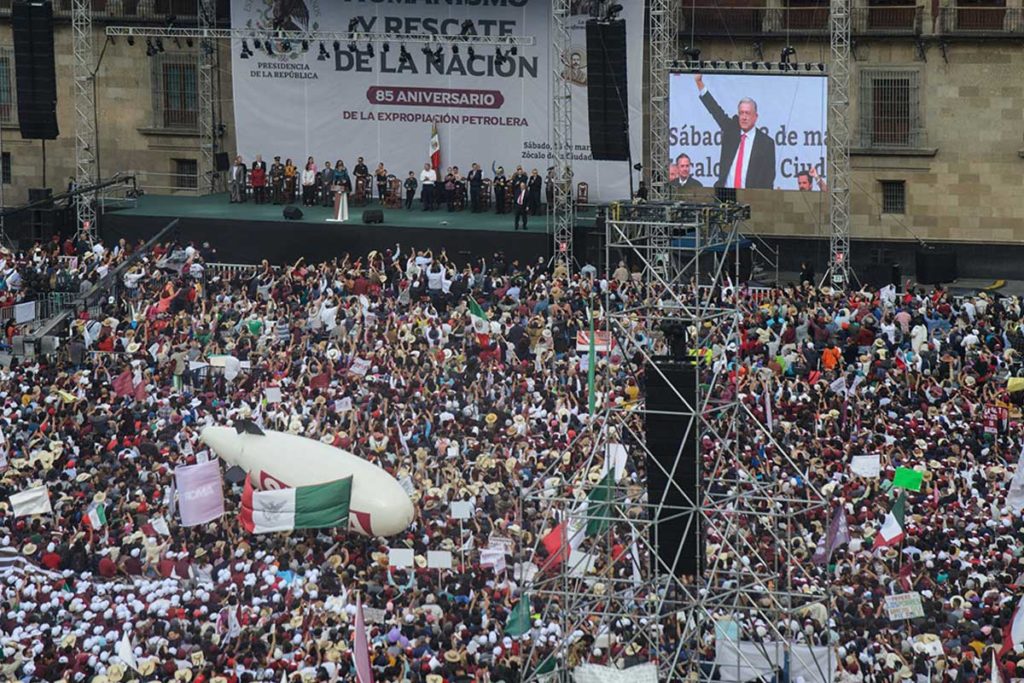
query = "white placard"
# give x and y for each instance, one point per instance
(343, 405)
(272, 394)
(503, 543)
(462, 509)
(904, 606)
(580, 563)
(400, 557)
(359, 367)
(25, 312)
(374, 615)
(866, 465)
(595, 673)
(616, 456)
(439, 559)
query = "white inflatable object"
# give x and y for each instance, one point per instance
(379, 507)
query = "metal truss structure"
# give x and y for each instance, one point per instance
(298, 36)
(662, 34)
(84, 74)
(207, 172)
(614, 589)
(563, 213)
(839, 145)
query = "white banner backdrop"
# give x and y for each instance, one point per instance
(376, 106)
(790, 118)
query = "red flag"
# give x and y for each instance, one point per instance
(557, 544)
(364, 673)
(123, 385)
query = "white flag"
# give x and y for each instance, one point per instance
(866, 466)
(1015, 496)
(31, 502)
(126, 652)
(838, 385)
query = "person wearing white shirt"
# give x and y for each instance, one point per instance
(309, 184)
(428, 179)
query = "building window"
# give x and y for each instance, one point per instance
(175, 92)
(890, 109)
(186, 174)
(894, 196)
(8, 104)
(5, 168)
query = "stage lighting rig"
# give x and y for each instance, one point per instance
(692, 56)
(784, 60)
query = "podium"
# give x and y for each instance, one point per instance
(340, 214)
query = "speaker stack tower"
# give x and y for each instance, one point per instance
(35, 78)
(606, 90)
(673, 468)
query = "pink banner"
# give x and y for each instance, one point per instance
(200, 492)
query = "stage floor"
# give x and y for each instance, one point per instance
(248, 233)
(217, 207)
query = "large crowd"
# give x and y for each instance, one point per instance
(461, 418)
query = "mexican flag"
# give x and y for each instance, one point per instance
(891, 532)
(569, 534)
(435, 149)
(96, 516)
(307, 507)
(481, 327)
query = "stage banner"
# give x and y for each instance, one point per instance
(748, 131)
(342, 103)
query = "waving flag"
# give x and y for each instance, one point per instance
(306, 507)
(892, 529)
(364, 673)
(481, 327)
(435, 148)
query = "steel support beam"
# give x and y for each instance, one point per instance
(206, 173)
(563, 211)
(839, 270)
(84, 74)
(663, 30)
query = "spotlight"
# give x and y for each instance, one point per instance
(268, 46)
(514, 51)
(404, 58)
(286, 46)
(472, 53)
(188, 42)
(787, 52)
(177, 43)
(245, 50)
(467, 27)
(455, 49)
(322, 56)
(754, 66)
(256, 45)
(305, 46)
(352, 47)
(337, 46)
(821, 67)
(692, 54)
(131, 41)
(807, 67)
(499, 58)
(638, 167)
(150, 50)
(160, 44)
(369, 49)
(353, 23)
(612, 13)
(386, 47)
(426, 50)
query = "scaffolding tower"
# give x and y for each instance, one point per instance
(84, 74)
(207, 172)
(562, 211)
(693, 616)
(839, 144)
(662, 32)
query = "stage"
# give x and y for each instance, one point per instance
(248, 233)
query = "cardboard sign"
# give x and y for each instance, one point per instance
(503, 543)
(868, 466)
(374, 615)
(462, 509)
(439, 559)
(400, 557)
(904, 606)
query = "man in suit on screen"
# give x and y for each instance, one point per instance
(747, 155)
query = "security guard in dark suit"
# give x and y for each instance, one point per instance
(277, 180)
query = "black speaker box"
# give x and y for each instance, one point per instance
(373, 216)
(607, 96)
(673, 470)
(35, 78)
(292, 213)
(221, 162)
(935, 267)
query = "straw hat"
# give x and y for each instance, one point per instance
(452, 656)
(421, 561)
(29, 549)
(183, 674)
(333, 353)
(133, 347)
(115, 672)
(99, 497)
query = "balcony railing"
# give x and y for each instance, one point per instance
(982, 21)
(136, 11)
(741, 22)
(902, 20)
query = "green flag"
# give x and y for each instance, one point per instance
(519, 620)
(591, 366)
(907, 478)
(598, 507)
(546, 666)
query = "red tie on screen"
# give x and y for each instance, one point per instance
(737, 180)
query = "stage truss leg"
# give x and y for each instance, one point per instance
(563, 211)
(839, 145)
(663, 30)
(743, 525)
(206, 176)
(84, 73)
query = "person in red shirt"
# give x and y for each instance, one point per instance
(106, 567)
(258, 179)
(51, 559)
